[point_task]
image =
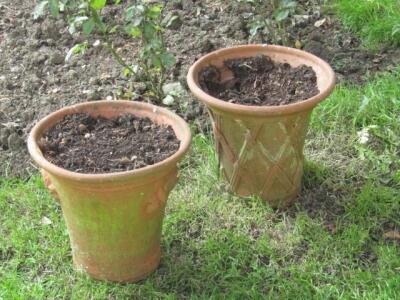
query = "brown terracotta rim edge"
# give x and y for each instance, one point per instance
(259, 110)
(38, 157)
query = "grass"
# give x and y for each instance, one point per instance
(376, 21)
(330, 245)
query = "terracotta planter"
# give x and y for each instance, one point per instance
(114, 220)
(261, 148)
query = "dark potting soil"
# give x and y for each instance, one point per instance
(85, 144)
(260, 81)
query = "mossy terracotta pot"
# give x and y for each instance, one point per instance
(114, 220)
(261, 147)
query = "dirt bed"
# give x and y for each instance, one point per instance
(85, 144)
(36, 80)
(259, 81)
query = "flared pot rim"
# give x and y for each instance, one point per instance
(161, 167)
(251, 50)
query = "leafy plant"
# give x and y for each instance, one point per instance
(276, 25)
(283, 9)
(142, 22)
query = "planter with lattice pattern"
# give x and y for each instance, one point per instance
(261, 147)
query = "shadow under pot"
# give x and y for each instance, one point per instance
(114, 218)
(260, 98)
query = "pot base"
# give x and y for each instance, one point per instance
(147, 266)
(274, 203)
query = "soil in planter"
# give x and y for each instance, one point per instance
(260, 81)
(85, 144)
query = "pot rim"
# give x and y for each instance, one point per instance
(53, 169)
(192, 80)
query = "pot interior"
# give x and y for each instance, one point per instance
(110, 109)
(291, 56)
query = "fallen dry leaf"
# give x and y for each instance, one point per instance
(45, 221)
(393, 235)
(331, 228)
(319, 23)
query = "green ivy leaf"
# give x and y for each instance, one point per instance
(286, 7)
(255, 26)
(167, 59)
(78, 48)
(127, 72)
(281, 14)
(135, 12)
(289, 4)
(135, 31)
(97, 4)
(88, 26)
(137, 21)
(156, 61)
(148, 31)
(54, 8)
(154, 12)
(129, 13)
(39, 9)
(154, 44)
(98, 21)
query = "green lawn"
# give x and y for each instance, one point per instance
(330, 245)
(376, 21)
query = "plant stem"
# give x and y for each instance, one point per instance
(117, 57)
(109, 44)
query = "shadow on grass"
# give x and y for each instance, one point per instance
(322, 194)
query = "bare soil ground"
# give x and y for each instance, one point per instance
(35, 79)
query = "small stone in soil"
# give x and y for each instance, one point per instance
(15, 142)
(56, 58)
(85, 144)
(259, 81)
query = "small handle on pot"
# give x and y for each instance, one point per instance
(49, 185)
(155, 202)
(169, 184)
(172, 181)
